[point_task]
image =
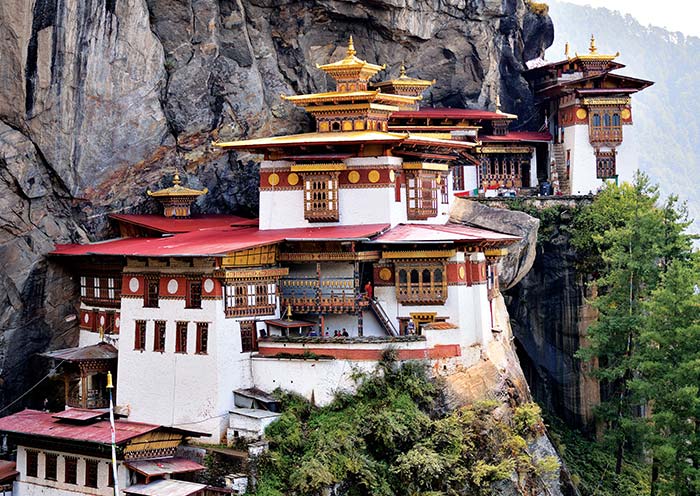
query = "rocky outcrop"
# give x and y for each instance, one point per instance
(521, 255)
(35, 296)
(550, 313)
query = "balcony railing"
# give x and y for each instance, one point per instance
(101, 302)
(95, 399)
(325, 295)
(605, 134)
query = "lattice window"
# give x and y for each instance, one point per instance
(421, 195)
(51, 466)
(321, 197)
(181, 337)
(140, 335)
(249, 336)
(152, 293)
(458, 177)
(605, 165)
(421, 283)
(100, 291)
(444, 191)
(32, 463)
(605, 125)
(159, 336)
(70, 472)
(202, 338)
(194, 294)
(90, 473)
(248, 298)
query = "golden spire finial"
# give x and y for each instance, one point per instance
(110, 385)
(498, 103)
(101, 330)
(176, 179)
(566, 49)
(592, 48)
(402, 72)
(351, 48)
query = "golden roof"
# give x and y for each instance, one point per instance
(365, 96)
(351, 63)
(177, 190)
(405, 80)
(315, 138)
(593, 54)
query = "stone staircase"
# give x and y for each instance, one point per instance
(383, 318)
(560, 163)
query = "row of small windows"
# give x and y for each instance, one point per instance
(245, 299)
(606, 120)
(70, 469)
(159, 331)
(100, 290)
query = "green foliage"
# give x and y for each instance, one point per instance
(392, 437)
(643, 339)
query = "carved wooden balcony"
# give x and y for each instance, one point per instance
(325, 295)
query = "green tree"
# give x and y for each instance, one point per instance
(667, 379)
(629, 238)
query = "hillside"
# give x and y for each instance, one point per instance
(667, 115)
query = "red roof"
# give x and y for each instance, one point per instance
(449, 113)
(99, 351)
(162, 466)
(519, 136)
(81, 414)
(43, 424)
(218, 242)
(8, 471)
(430, 233)
(169, 225)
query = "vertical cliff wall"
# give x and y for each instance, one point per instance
(99, 99)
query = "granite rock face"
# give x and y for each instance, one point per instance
(521, 255)
(102, 99)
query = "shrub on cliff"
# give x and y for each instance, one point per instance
(395, 437)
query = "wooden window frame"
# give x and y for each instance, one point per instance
(605, 125)
(321, 197)
(51, 466)
(91, 468)
(417, 290)
(32, 463)
(159, 336)
(140, 335)
(70, 469)
(444, 190)
(194, 293)
(606, 164)
(242, 299)
(151, 299)
(421, 195)
(101, 290)
(181, 337)
(110, 475)
(249, 336)
(458, 177)
(202, 338)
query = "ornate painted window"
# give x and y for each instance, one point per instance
(152, 292)
(194, 294)
(202, 338)
(251, 298)
(249, 336)
(159, 336)
(605, 125)
(421, 283)
(421, 195)
(140, 335)
(605, 165)
(181, 337)
(321, 197)
(102, 291)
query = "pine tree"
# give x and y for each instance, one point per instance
(631, 240)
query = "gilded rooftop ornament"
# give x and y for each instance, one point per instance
(177, 199)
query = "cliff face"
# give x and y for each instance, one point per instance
(100, 99)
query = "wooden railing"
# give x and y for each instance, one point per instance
(332, 295)
(605, 134)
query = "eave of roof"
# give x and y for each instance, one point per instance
(170, 225)
(452, 113)
(100, 351)
(331, 138)
(519, 137)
